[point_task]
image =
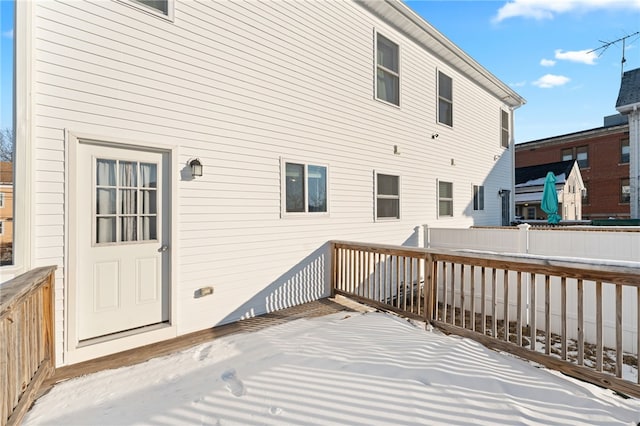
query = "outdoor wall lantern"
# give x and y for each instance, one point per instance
(196, 167)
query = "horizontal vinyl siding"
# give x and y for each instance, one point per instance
(241, 85)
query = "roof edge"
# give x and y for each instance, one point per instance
(489, 81)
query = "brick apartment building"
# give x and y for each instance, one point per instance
(603, 156)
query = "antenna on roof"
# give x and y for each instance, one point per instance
(607, 44)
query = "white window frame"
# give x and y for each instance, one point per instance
(22, 235)
(504, 119)
(376, 196)
(478, 205)
(438, 182)
(169, 16)
(439, 98)
(283, 188)
(376, 66)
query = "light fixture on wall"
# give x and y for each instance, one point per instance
(196, 167)
(434, 135)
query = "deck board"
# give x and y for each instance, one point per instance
(134, 356)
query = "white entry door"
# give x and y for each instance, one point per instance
(122, 240)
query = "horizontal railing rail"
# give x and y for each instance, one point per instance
(576, 317)
(26, 340)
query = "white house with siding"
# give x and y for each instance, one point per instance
(352, 120)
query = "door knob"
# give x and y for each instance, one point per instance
(163, 249)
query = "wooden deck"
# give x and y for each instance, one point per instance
(144, 353)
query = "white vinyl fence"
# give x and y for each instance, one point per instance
(595, 245)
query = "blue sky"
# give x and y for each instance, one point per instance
(538, 47)
(6, 55)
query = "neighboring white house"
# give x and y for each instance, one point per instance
(530, 185)
(628, 103)
(313, 121)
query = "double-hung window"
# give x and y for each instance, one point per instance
(387, 70)
(305, 188)
(624, 150)
(445, 99)
(625, 191)
(387, 196)
(504, 126)
(445, 199)
(582, 155)
(567, 154)
(478, 197)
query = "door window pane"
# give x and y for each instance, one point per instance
(148, 202)
(148, 175)
(106, 172)
(128, 173)
(106, 230)
(128, 202)
(149, 228)
(128, 228)
(106, 201)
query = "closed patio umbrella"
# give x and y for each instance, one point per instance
(550, 198)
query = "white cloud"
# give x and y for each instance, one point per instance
(547, 62)
(582, 56)
(548, 9)
(8, 33)
(548, 81)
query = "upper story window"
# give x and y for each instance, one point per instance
(478, 197)
(625, 191)
(387, 196)
(445, 199)
(504, 126)
(305, 188)
(582, 155)
(624, 150)
(161, 8)
(387, 70)
(445, 99)
(1, 199)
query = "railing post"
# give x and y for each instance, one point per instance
(429, 286)
(523, 237)
(426, 235)
(334, 268)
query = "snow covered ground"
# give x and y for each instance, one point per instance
(344, 368)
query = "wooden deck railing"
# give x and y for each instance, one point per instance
(26, 340)
(578, 318)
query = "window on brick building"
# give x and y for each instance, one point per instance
(624, 150)
(625, 191)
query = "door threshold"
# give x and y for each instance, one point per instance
(121, 334)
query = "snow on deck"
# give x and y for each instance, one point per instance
(344, 368)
